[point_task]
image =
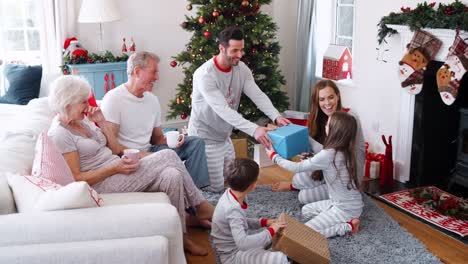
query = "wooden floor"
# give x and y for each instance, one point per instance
(446, 248)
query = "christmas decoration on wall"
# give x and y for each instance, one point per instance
(337, 63)
(422, 48)
(450, 74)
(449, 16)
(261, 51)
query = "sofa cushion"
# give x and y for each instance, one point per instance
(20, 127)
(49, 162)
(38, 194)
(23, 83)
(7, 203)
(135, 198)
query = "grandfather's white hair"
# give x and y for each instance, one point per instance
(140, 59)
(67, 90)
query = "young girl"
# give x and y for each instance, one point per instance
(325, 100)
(340, 213)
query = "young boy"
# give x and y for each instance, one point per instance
(230, 222)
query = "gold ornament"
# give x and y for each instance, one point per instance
(245, 3)
(189, 7)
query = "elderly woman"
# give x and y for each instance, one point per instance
(85, 148)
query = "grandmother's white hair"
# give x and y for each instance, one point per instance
(140, 59)
(67, 90)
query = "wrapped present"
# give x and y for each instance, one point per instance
(298, 118)
(300, 242)
(290, 140)
(240, 147)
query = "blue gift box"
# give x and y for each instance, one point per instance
(290, 140)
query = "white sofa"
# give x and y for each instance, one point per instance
(130, 228)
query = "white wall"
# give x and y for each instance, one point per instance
(154, 25)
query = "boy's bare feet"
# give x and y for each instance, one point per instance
(281, 186)
(355, 225)
(193, 249)
(205, 210)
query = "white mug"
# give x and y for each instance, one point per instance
(173, 138)
(131, 154)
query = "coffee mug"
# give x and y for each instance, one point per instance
(173, 138)
(131, 154)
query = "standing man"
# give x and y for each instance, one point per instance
(217, 88)
(134, 113)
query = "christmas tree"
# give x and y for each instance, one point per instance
(261, 51)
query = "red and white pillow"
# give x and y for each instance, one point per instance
(33, 193)
(49, 162)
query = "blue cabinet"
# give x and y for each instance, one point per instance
(101, 76)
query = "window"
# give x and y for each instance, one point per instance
(344, 28)
(19, 33)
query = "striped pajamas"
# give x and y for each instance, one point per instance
(309, 190)
(162, 171)
(230, 238)
(327, 219)
(217, 155)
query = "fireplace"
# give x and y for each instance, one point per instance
(410, 109)
(460, 176)
(435, 133)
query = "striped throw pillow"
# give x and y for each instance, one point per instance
(49, 162)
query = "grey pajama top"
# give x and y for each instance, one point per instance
(349, 201)
(229, 228)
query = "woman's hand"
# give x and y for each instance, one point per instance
(95, 114)
(125, 166)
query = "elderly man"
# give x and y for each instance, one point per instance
(217, 88)
(134, 113)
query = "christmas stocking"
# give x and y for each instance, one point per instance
(451, 73)
(422, 48)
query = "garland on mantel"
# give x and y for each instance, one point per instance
(447, 16)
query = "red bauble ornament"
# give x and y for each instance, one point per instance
(173, 63)
(245, 3)
(183, 116)
(207, 34)
(201, 20)
(215, 13)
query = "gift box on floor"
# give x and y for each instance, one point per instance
(301, 243)
(240, 147)
(290, 140)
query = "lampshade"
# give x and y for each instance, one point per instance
(98, 11)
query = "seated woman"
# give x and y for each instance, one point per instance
(324, 101)
(85, 148)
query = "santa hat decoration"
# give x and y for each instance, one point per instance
(67, 42)
(74, 49)
(450, 74)
(422, 48)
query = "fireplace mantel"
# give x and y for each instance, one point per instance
(402, 151)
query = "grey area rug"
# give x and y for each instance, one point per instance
(380, 239)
